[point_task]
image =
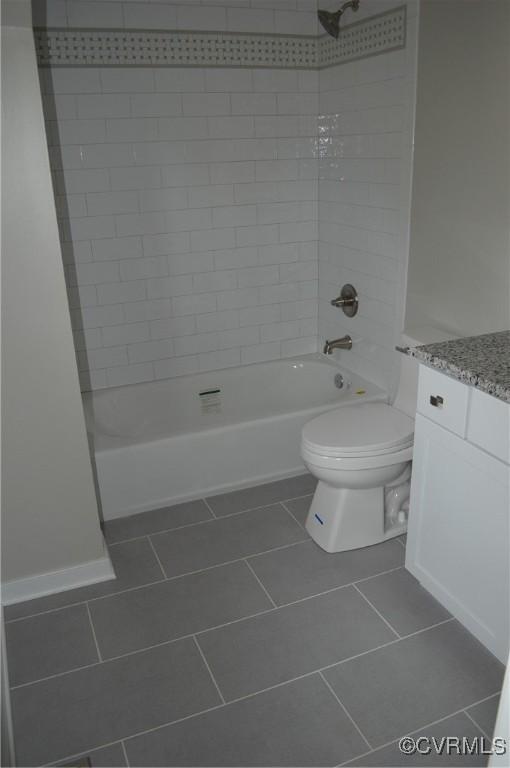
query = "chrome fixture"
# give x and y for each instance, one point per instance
(330, 20)
(348, 300)
(344, 343)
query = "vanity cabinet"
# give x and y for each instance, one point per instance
(458, 531)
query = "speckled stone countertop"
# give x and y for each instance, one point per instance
(480, 361)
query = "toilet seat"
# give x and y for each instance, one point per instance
(358, 432)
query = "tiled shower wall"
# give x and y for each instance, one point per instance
(187, 200)
(365, 144)
(188, 197)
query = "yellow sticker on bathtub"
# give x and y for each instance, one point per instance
(360, 392)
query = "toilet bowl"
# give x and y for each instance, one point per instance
(357, 453)
(361, 456)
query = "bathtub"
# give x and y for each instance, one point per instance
(173, 440)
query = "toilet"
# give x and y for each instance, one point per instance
(361, 455)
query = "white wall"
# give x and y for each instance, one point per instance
(49, 512)
(459, 267)
(366, 131)
(187, 199)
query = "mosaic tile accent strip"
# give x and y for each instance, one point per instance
(149, 48)
(378, 34)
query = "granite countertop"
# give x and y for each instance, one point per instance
(482, 362)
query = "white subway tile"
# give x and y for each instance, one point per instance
(187, 263)
(275, 80)
(203, 197)
(175, 366)
(85, 296)
(182, 128)
(168, 327)
(189, 17)
(212, 240)
(274, 213)
(159, 152)
(92, 380)
(130, 80)
(88, 339)
(150, 15)
(244, 297)
(229, 173)
(253, 104)
(136, 178)
(130, 333)
(177, 285)
(179, 80)
(250, 20)
(49, 14)
(195, 344)
(275, 294)
(118, 293)
(97, 106)
(297, 347)
(163, 199)
(60, 106)
(94, 14)
(156, 104)
(259, 235)
(117, 248)
(228, 80)
(95, 273)
(129, 374)
(138, 311)
(298, 272)
(160, 245)
(111, 202)
(298, 231)
(185, 175)
(92, 227)
(150, 350)
(205, 104)
(81, 131)
(224, 358)
(218, 321)
(276, 170)
(257, 276)
(132, 129)
(70, 206)
(278, 253)
(140, 269)
(214, 281)
(234, 216)
(106, 155)
(295, 310)
(260, 315)
(232, 127)
(99, 317)
(74, 253)
(194, 304)
(236, 258)
(258, 353)
(103, 358)
(289, 23)
(279, 331)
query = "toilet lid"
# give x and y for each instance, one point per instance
(358, 429)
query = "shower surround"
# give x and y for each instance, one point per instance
(188, 195)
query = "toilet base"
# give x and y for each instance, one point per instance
(344, 518)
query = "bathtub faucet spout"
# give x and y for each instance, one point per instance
(344, 343)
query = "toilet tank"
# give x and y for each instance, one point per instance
(405, 399)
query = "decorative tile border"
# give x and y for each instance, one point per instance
(169, 48)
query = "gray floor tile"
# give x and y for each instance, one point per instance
(83, 710)
(485, 714)
(134, 563)
(299, 508)
(143, 617)
(305, 569)
(50, 643)
(420, 679)
(261, 495)
(403, 601)
(229, 538)
(260, 652)
(296, 724)
(156, 520)
(457, 726)
(108, 757)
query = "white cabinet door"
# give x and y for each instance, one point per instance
(458, 533)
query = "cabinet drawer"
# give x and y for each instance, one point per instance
(443, 400)
(489, 424)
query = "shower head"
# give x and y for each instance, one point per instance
(330, 20)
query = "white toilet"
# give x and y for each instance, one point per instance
(361, 455)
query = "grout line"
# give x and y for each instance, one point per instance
(151, 543)
(126, 758)
(376, 575)
(93, 632)
(477, 724)
(400, 541)
(260, 583)
(377, 612)
(211, 510)
(202, 654)
(292, 516)
(353, 721)
(417, 730)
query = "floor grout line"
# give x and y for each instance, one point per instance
(260, 583)
(126, 758)
(416, 730)
(151, 544)
(353, 721)
(211, 510)
(292, 515)
(482, 730)
(202, 654)
(94, 632)
(358, 590)
(226, 624)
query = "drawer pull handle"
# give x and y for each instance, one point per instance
(437, 401)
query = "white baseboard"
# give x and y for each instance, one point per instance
(18, 590)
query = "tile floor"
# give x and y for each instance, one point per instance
(230, 639)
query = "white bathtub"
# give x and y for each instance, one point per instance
(163, 442)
